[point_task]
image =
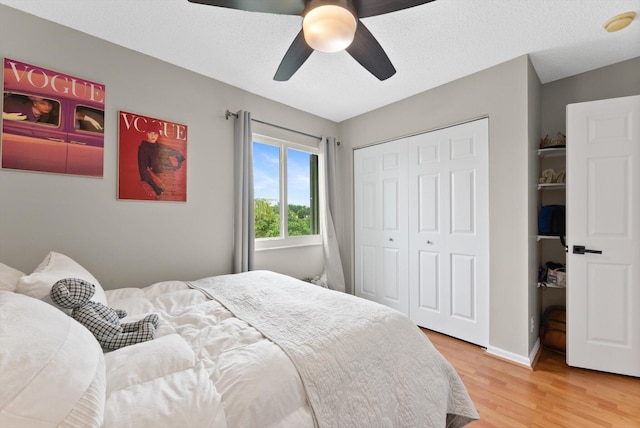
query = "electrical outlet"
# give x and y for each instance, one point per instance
(533, 324)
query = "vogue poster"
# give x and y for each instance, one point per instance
(51, 122)
(152, 159)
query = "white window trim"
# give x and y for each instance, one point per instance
(288, 241)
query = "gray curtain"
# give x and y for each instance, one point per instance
(243, 238)
(333, 275)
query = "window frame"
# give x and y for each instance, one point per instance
(284, 240)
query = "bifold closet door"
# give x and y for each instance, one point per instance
(449, 231)
(381, 246)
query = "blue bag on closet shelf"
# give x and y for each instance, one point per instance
(551, 220)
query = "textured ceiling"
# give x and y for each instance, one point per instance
(429, 45)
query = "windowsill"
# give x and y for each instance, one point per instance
(278, 244)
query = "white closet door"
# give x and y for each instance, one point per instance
(381, 224)
(603, 215)
(449, 231)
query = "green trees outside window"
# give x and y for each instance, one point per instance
(267, 219)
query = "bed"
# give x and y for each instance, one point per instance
(257, 349)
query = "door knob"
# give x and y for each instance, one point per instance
(580, 249)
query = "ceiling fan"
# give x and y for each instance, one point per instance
(328, 26)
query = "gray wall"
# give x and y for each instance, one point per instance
(533, 109)
(135, 243)
(500, 93)
(617, 80)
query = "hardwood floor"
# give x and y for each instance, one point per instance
(551, 395)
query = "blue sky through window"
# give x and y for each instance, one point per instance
(266, 171)
(266, 174)
(299, 173)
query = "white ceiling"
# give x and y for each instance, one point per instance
(429, 45)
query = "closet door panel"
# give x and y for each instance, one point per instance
(463, 286)
(463, 207)
(391, 274)
(380, 192)
(368, 213)
(367, 270)
(390, 205)
(428, 284)
(448, 221)
(429, 203)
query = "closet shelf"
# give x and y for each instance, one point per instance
(541, 237)
(552, 152)
(552, 186)
(548, 285)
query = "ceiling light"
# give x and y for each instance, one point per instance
(619, 22)
(329, 28)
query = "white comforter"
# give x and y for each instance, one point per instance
(332, 366)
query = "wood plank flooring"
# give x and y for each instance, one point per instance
(551, 395)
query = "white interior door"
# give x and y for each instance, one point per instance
(603, 214)
(381, 224)
(449, 231)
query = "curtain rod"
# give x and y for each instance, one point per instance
(228, 113)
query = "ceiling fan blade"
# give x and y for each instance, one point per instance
(366, 8)
(367, 51)
(296, 55)
(282, 7)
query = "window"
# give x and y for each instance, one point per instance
(285, 182)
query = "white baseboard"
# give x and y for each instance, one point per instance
(516, 358)
(534, 352)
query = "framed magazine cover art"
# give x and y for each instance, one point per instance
(152, 159)
(51, 122)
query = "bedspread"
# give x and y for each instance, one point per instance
(361, 364)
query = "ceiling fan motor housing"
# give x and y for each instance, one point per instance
(346, 4)
(329, 26)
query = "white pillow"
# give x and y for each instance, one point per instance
(53, 370)
(53, 268)
(9, 278)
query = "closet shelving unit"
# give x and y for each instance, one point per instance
(559, 197)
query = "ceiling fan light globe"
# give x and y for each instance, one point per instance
(329, 28)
